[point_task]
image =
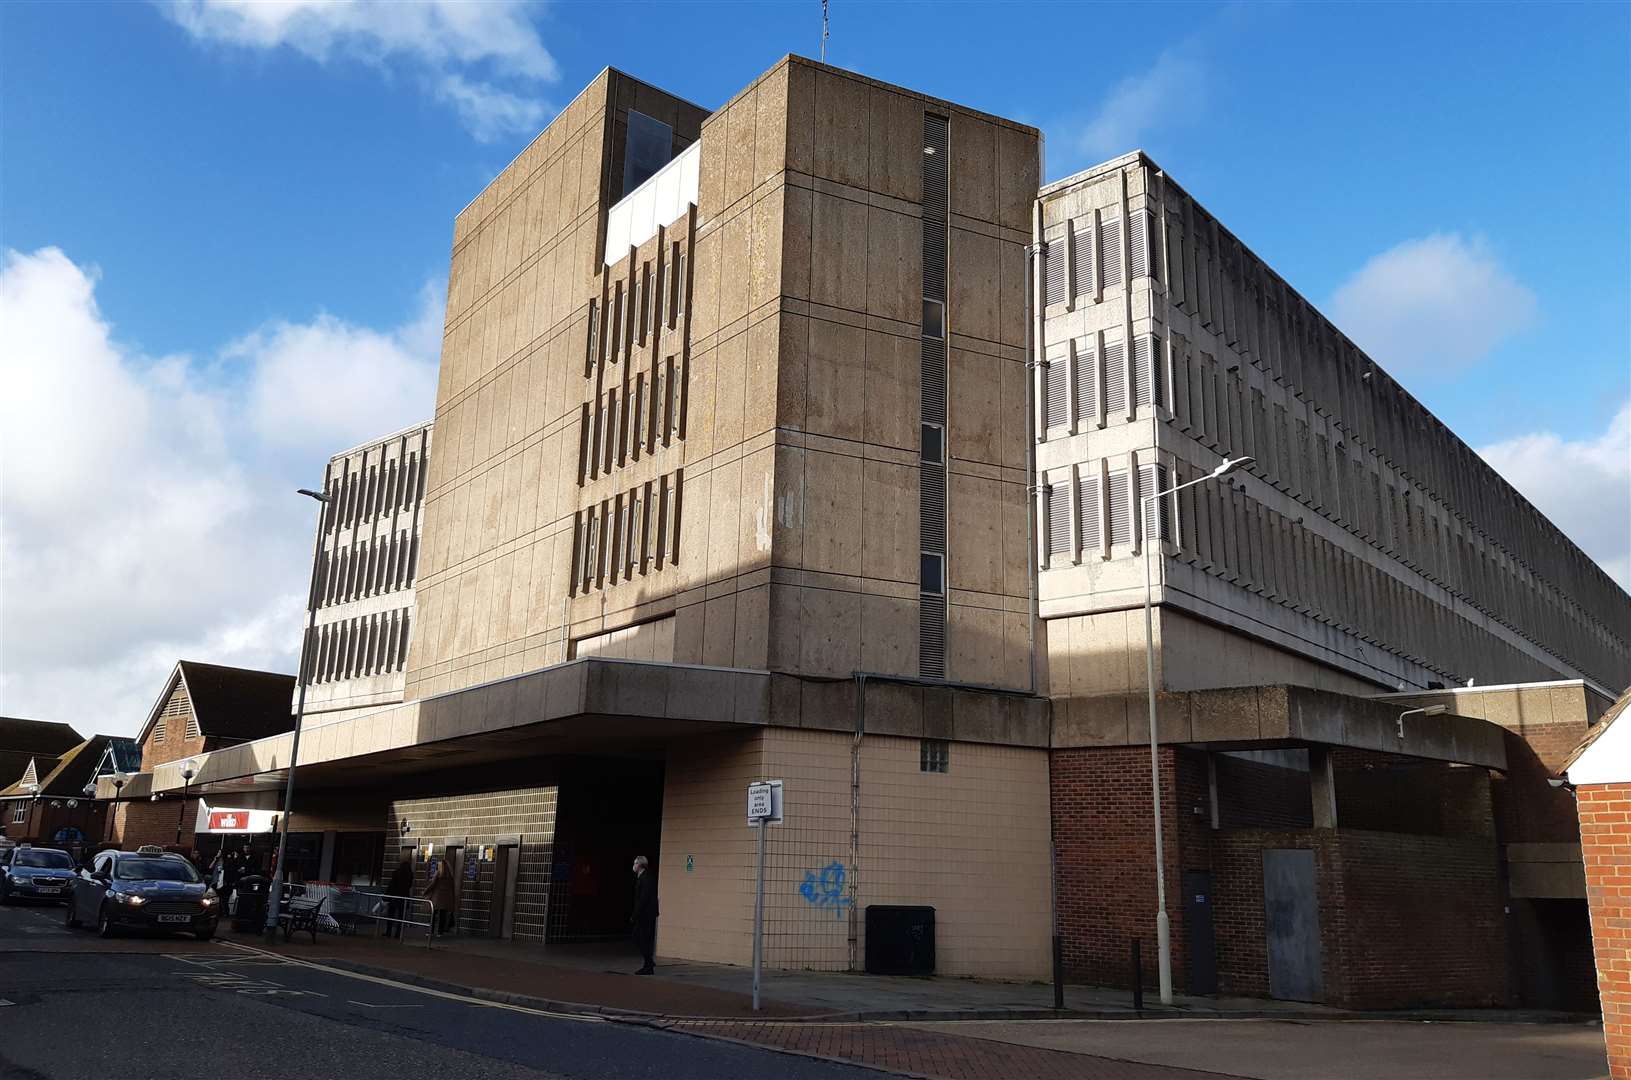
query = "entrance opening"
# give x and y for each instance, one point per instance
(609, 812)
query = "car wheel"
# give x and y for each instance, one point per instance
(73, 919)
(104, 925)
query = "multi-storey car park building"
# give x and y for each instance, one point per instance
(1365, 548)
(734, 433)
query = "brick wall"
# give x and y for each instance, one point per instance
(1106, 867)
(1605, 837)
(174, 745)
(481, 818)
(1423, 923)
(140, 821)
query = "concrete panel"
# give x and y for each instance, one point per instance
(770, 134)
(889, 635)
(838, 229)
(832, 502)
(828, 642)
(975, 408)
(973, 168)
(896, 152)
(976, 286)
(893, 384)
(894, 276)
(835, 374)
(841, 143)
(889, 523)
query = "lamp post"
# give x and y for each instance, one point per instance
(1163, 926)
(1431, 710)
(189, 769)
(33, 803)
(274, 900)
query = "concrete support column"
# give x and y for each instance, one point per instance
(325, 866)
(1322, 785)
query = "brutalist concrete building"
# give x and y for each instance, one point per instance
(737, 418)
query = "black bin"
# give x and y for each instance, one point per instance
(899, 940)
(250, 913)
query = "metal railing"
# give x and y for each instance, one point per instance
(349, 906)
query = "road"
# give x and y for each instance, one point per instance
(72, 1006)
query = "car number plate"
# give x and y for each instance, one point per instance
(175, 918)
(48, 888)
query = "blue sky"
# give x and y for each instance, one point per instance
(230, 203)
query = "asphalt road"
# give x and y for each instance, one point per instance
(72, 1006)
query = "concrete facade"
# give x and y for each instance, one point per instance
(368, 561)
(1365, 546)
(744, 495)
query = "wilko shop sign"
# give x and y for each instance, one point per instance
(225, 819)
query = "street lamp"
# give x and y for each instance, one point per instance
(275, 899)
(1163, 927)
(1431, 710)
(33, 790)
(189, 769)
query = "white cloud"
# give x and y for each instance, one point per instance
(320, 384)
(489, 112)
(1173, 84)
(445, 42)
(1583, 485)
(1433, 305)
(147, 510)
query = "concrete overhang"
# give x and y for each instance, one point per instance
(1256, 717)
(599, 706)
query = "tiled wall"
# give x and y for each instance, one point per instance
(481, 819)
(970, 842)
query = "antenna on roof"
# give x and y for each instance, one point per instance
(823, 31)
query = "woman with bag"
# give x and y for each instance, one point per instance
(440, 893)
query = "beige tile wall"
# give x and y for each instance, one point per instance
(973, 843)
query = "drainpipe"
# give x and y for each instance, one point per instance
(855, 816)
(1035, 346)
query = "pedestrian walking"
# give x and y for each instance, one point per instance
(644, 919)
(401, 887)
(440, 893)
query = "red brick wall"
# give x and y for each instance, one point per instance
(1404, 918)
(1605, 838)
(1422, 920)
(1106, 866)
(140, 821)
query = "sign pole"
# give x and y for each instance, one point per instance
(759, 915)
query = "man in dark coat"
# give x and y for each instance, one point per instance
(644, 918)
(401, 886)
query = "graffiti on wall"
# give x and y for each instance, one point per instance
(825, 890)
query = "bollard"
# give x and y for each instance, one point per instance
(1138, 979)
(1058, 972)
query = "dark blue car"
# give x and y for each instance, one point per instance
(33, 873)
(147, 889)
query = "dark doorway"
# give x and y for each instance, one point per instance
(1203, 952)
(609, 812)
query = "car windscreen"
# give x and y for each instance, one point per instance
(53, 860)
(154, 870)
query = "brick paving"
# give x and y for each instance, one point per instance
(916, 1052)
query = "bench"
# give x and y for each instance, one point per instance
(301, 917)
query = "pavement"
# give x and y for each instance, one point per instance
(363, 1008)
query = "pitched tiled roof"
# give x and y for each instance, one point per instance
(68, 774)
(239, 704)
(22, 739)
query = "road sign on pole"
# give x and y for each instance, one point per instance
(764, 809)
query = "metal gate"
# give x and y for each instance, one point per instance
(1291, 919)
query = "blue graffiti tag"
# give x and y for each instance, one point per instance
(827, 891)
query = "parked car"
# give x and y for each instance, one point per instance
(31, 873)
(145, 889)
